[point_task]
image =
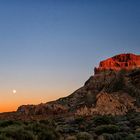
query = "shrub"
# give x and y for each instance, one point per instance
(130, 137)
(107, 137)
(6, 123)
(137, 130)
(121, 135)
(47, 122)
(47, 135)
(100, 120)
(106, 129)
(135, 121)
(84, 136)
(118, 136)
(36, 127)
(3, 137)
(17, 133)
(71, 138)
(43, 131)
(132, 114)
(79, 120)
(137, 135)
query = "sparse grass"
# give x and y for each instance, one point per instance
(97, 128)
(84, 136)
(13, 130)
(8, 123)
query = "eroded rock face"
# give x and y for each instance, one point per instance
(109, 104)
(118, 62)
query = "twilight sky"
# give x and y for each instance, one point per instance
(48, 48)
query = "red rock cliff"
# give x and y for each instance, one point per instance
(122, 61)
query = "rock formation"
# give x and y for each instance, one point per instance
(114, 89)
(50, 108)
(109, 104)
(118, 62)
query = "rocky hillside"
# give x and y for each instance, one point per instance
(113, 89)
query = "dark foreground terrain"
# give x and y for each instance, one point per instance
(74, 128)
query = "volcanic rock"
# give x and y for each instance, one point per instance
(118, 62)
(109, 104)
(50, 108)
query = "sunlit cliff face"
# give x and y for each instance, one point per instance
(118, 62)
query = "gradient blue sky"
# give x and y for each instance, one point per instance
(48, 48)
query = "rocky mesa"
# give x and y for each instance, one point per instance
(118, 62)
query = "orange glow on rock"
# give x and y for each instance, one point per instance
(118, 62)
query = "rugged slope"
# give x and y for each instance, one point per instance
(114, 89)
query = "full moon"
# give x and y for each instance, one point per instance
(14, 91)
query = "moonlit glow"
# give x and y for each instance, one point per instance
(14, 91)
